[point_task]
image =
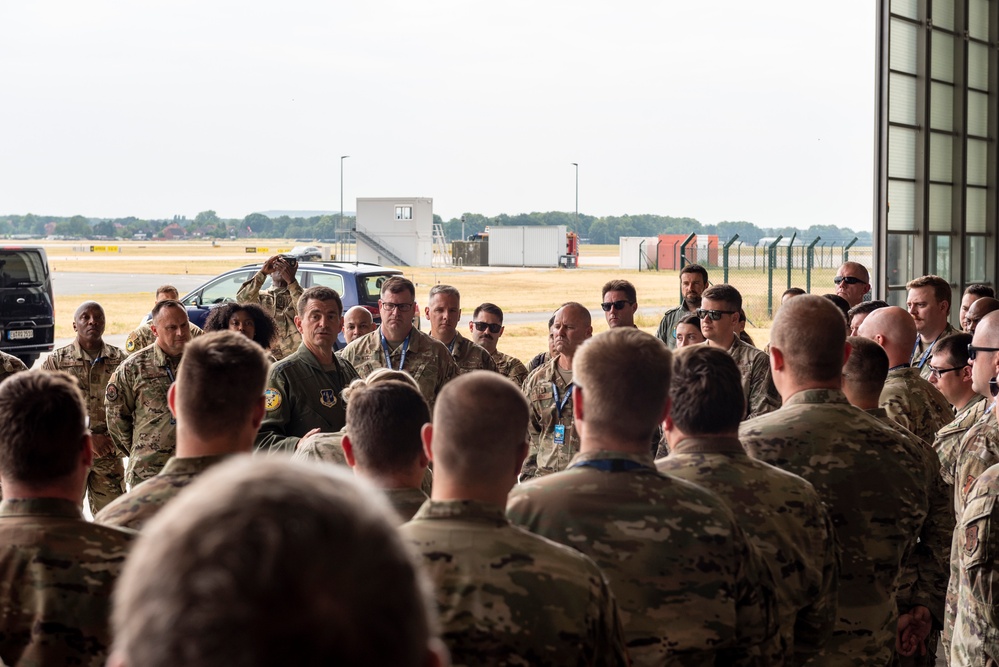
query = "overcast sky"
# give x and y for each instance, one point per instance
(721, 110)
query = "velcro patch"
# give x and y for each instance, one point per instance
(967, 484)
(272, 399)
(327, 397)
(111, 393)
(970, 539)
(130, 345)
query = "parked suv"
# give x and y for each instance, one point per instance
(357, 284)
(27, 310)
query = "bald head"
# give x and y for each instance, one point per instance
(978, 310)
(893, 329)
(810, 332)
(357, 322)
(865, 372)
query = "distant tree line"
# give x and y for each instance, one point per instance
(207, 224)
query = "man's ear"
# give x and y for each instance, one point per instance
(298, 324)
(577, 404)
(427, 435)
(348, 450)
(172, 399)
(776, 359)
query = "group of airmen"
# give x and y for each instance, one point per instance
(624, 498)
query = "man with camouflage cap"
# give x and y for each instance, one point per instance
(505, 596)
(92, 361)
(444, 312)
(781, 513)
(398, 345)
(143, 336)
(57, 570)
(218, 401)
(486, 328)
(873, 481)
(280, 301)
(690, 586)
(909, 400)
(9, 364)
(138, 418)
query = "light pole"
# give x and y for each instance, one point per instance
(576, 165)
(339, 226)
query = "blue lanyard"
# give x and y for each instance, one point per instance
(450, 346)
(926, 353)
(388, 358)
(612, 465)
(169, 372)
(560, 404)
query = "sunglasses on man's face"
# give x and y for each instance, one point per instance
(849, 280)
(482, 326)
(973, 351)
(616, 305)
(714, 314)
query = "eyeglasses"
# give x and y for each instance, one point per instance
(937, 372)
(973, 351)
(482, 326)
(392, 307)
(714, 314)
(849, 280)
(616, 305)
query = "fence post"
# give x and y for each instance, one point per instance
(846, 249)
(809, 262)
(683, 250)
(728, 244)
(771, 258)
(790, 258)
(641, 257)
(657, 254)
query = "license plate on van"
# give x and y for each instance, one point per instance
(20, 334)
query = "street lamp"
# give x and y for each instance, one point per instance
(576, 165)
(339, 225)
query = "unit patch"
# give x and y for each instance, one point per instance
(272, 399)
(970, 539)
(111, 393)
(327, 397)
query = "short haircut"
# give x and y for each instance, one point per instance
(44, 421)
(695, 268)
(582, 310)
(239, 570)
(706, 391)
(319, 293)
(620, 286)
(865, 308)
(793, 291)
(263, 324)
(222, 377)
(87, 305)
(860, 268)
(726, 294)
(163, 305)
(841, 303)
(691, 319)
(169, 290)
(384, 420)
(867, 368)
(444, 289)
(492, 309)
(941, 288)
(810, 333)
(397, 285)
(477, 403)
(955, 346)
(980, 290)
(624, 375)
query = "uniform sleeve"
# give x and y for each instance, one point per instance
(119, 408)
(296, 291)
(530, 468)
(49, 363)
(814, 623)
(611, 644)
(763, 396)
(663, 332)
(757, 618)
(249, 292)
(273, 435)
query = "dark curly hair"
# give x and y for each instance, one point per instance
(263, 324)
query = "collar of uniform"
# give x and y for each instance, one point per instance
(551, 371)
(188, 465)
(160, 356)
(910, 371)
(736, 342)
(818, 396)
(708, 444)
(972, 405)
(303, 353)
(54, 507)
(469, 510)
(608, 455)
(877, 413)
(78, 350)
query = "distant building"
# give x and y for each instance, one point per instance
(395, 231)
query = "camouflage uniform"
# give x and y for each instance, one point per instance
(106, 480)
(144, 337)
(786, 521)
(545, 456)
(691, 588)
(914, 403)
(921, 355)
(510, 367)
(58, 571)
(875, 484)
(9, 364)
(138, 418)
(757, 384)
(302, 395)
(975, 638)
(470, 356)
(507, 597)
(282, 305)
(328, 448)
(427, 360)
(135, 508)
(406, 501)
(948, 439)
(667, 326)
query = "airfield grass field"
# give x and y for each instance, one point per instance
(515, 290)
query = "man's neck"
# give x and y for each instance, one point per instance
(323, 356)
(927, 337)
(396, 337)
(492, 493)
(190, 445)
(598, 443)
(167, 354)
(490, 347)
(789, 387)
(406, 479)
(963, 401)
(447, 339)
(721, 341)
(565, 362)
(64, 489)
(95, 349)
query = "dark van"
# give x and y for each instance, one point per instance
(27, 310)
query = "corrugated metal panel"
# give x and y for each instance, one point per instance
(638, 252)
(526, 246)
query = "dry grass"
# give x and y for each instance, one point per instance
(123, 311)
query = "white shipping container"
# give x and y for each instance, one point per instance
(526, 246)
(638, 252)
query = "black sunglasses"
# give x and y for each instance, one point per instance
(714, 314)
(616, 305)
(482, 326)
(973, 351)
(849, 280)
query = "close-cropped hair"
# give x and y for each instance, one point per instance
(809, 332)
(383, 422)
(397, 285)
(941, 288)
(706, 391)
(793, 291)
(44, 416)
(490, 308)
(169, 290)
(160, 306)
(696, 268)
(319, 293)
(443, 289)
(980, 290)
(624, 375)
(263, 324)
(727, 294)
(955, 346)
(866, 308)
(620, 286)
(867, 367)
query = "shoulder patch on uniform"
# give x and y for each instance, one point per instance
(970, 539)
(272, 399)
(130, 345)
(968, 483)
(111, 393)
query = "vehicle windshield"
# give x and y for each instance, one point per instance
(370, 287)
(21, 268)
